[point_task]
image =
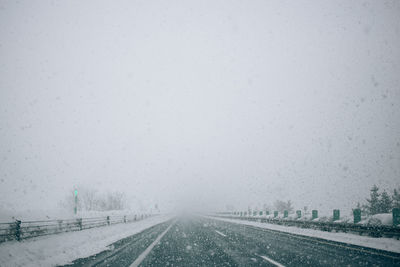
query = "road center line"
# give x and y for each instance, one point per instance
(271, 261)
(218, 232)
(149, 248)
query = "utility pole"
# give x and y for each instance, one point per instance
(76, 201)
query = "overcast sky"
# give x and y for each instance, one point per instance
(210, 102)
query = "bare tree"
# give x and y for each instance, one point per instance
(282, 206)
(89, 199)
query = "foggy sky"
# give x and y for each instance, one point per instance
(201, 102)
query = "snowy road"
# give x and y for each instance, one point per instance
(202, 241)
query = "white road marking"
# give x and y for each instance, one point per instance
(218, 232)
(149, 248)
(271, 261)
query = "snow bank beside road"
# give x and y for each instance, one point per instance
(373, 220)
(378, 219)
(66, 247)
(388, 244)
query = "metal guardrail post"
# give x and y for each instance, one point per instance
(18, 230)
(336, 215)
(298, 212)
(108, 220)
(396, 216)
(79, 220)
(314, 214)
(357, 215)
(60, 225)
(124, 218)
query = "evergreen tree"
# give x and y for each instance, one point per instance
(364, 209)
(385, 203)
(373, 202)
(396, 199)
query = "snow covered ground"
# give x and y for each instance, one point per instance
(64, 248)
(389, 244)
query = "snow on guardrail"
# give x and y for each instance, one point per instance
(19, 230)
(374, 230)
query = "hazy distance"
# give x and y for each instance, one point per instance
(199, 103)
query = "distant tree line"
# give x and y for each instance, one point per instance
(380, 202)
(279, 205)
(91, 200)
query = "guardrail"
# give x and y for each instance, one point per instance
(336, 215)
(370, 230)
(20, 230)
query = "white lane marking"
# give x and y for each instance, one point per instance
(271, 261)
(218, 232)
(149, 248)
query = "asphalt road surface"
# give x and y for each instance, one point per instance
(199, 241)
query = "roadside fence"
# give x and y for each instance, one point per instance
(20, 230)
(335, 224)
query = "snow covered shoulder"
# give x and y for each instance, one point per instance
(388, 244)
(66, 247)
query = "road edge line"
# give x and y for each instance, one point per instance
(220, 233)
(144, 254)
(271, 261)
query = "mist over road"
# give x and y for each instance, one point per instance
(202, 102)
